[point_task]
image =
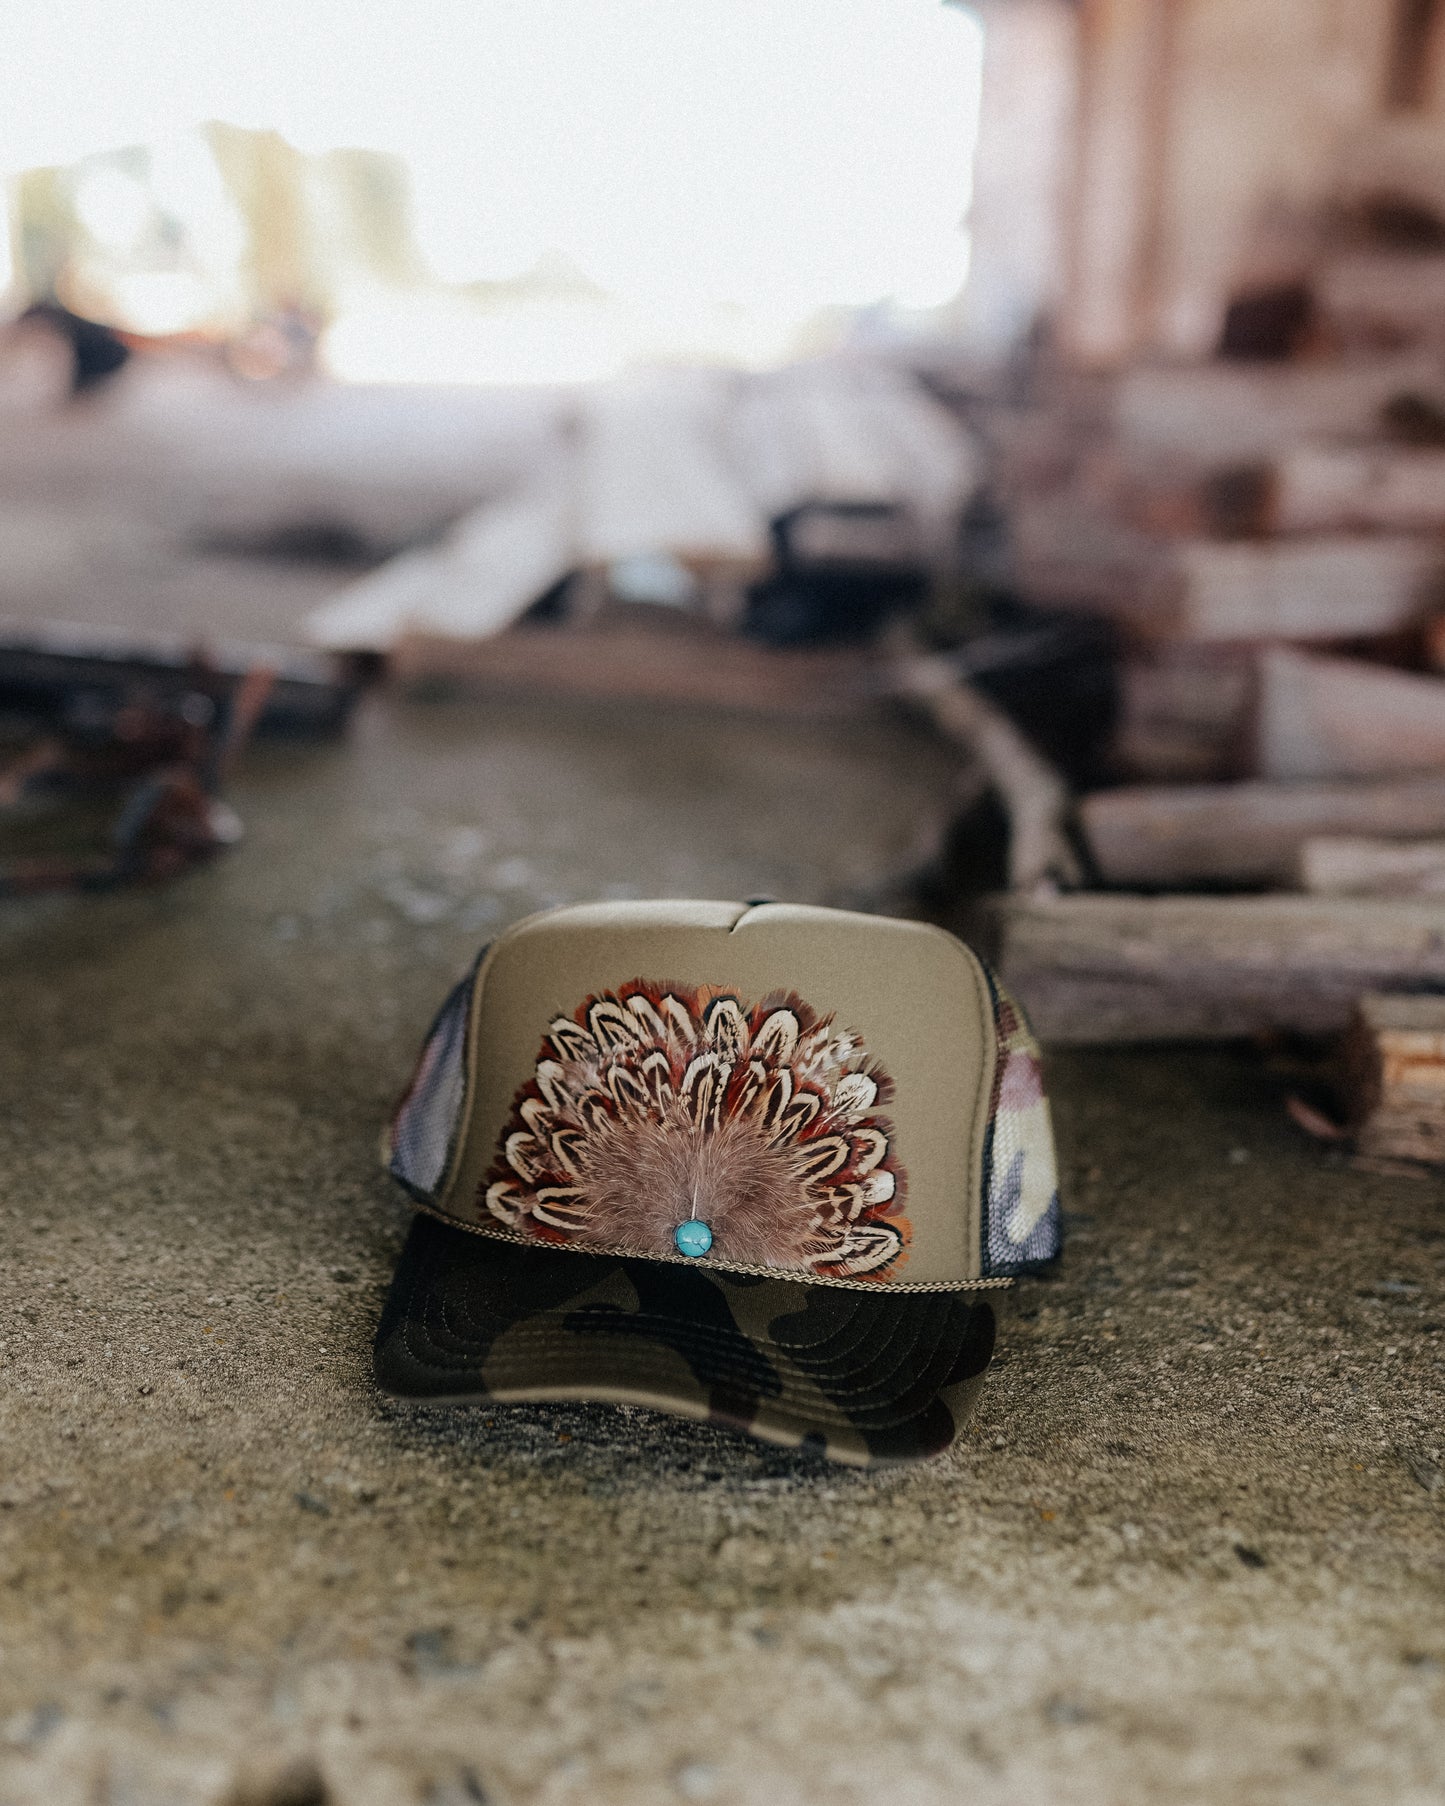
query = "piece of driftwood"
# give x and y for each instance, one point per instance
(1345, 718)
(1393, 1077)
(1096, 969)
(1356, 865)
(1213, 414)
(680, 661)
(1035, 797)
(1334, 488)
(1176, 836)
(1328, 588)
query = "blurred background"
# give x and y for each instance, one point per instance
(745, 360)
(496, 193)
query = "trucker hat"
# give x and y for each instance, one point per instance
(764, 1165)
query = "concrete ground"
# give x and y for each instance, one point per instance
(1190, 1551)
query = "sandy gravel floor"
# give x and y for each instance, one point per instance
(1192, 1550)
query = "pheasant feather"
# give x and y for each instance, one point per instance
(655, 1106)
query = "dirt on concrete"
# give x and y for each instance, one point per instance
(1190, 1551)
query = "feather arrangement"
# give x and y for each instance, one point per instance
(668, 1117)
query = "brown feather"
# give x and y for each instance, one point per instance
(659, 1103)
(642, 1181)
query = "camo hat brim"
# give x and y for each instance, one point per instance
(856, 1376)
(761, 1165)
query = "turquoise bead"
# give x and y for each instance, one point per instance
(692, 1238)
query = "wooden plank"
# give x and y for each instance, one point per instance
(1394, 1077)
(1329, 588)
(1213, 414)
(1185, 715)
(845, 430)
(1095, 969)
(1327, 718)
(1349, 488)
(1346, 865)
(653, 474)
(1116, 189)
(1175, 836)
(493, 565)
(682, 663)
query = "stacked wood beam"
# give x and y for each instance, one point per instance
(1269, 538)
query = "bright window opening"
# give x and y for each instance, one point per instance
(565, 187)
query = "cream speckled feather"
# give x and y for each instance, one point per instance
(656, 1104)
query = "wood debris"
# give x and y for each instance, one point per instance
(1096, 968)
(1327, 718)
(1393, 1064)
(1034, 796)
(1173, 837)
(693, 466)
(1360, 866)
(1266, 530)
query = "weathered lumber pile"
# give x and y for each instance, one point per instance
(1257, 500)
(1267, 533)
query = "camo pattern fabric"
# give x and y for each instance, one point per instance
(858, 1377)
(1022, 1221)
(422, 1132)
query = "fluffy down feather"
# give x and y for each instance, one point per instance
(656, 1103)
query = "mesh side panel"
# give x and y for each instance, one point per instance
(424, 1125)
(1022, 1222)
